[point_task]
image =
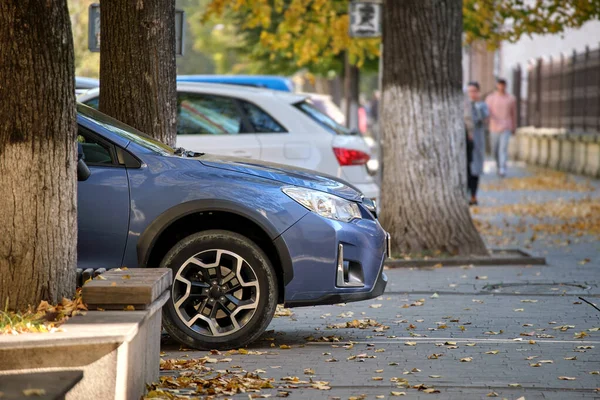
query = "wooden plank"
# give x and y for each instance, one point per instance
(117, 289)
(55, 385)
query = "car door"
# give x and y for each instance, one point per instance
(277, 143)
(103, 205)
(214, 124)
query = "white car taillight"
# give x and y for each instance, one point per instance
(350, 157)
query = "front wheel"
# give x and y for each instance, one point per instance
(224, 291)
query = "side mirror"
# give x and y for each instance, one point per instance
(83, 172)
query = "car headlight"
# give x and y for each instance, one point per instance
(324, 204)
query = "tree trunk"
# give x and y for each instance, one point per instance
(351, 93)
(38, 153)
(137, 65)
(423, 197)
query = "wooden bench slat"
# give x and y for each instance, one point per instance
(138, 287)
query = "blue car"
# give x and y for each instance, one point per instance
(240, 236)
(272, 82)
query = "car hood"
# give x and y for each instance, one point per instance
(286, 174)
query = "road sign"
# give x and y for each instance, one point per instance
(94, 29)
(365, 19)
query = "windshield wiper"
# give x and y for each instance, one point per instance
(180, 151)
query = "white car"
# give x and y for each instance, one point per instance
(267, 125)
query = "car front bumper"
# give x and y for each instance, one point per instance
(335, 262)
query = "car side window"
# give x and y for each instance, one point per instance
(93, 102)
(95, 152)
(260, 120)
(206, 114)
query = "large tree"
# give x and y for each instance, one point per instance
(422, 191)
(38, 154)
(137, 65)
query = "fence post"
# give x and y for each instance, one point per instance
(573, 76)
(538, 94)
(516, 90)
(585, 88)
(561, 84)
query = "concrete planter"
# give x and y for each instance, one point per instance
(544, 151)
(580, 157)
(555, 148)
(117, 351)
(578, 153)
(592, 165)
(567, 150)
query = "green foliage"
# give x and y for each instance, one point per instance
(496, 21)
(86, 62)
(284, 36)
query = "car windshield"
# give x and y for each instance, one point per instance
(123, 130)
(322, 119)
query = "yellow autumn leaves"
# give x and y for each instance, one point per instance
(303, 31)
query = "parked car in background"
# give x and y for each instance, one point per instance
(83, 84)
(267, 125)
(260, 81)
(239, 235)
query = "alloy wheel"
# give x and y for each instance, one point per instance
(215, 292)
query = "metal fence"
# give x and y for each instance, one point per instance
(562, 92)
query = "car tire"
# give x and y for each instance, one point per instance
(215, 254)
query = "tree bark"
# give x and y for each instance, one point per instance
(423, 195)
(137, 65)
(38, 153)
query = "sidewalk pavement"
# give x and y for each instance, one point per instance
(468, 332)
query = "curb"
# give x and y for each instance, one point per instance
(508, 256)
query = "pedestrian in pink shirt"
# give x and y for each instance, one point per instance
(503, 122)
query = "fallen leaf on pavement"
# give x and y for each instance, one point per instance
(492, 352)
(435, 376)
(566, 378)
(546, 361)
(514, 385)
(410, 343)
(377, 378)
(528, 301)
(492, 394)
(397, 394)
(34, 392)
(375, 305)
(571, 358)
(482, 278)
(285, 347)
(471, 344)
(531, 357)
(594, 372)
(519, 310)
(466, 359)
(434, 356)
(580, 335)
(434, 296)
(309, 371)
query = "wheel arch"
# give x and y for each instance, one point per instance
(200, 215)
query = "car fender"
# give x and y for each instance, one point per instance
(153, 231)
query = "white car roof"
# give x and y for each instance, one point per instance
(239, 91)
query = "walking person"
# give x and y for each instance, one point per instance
(503, 122)
(475, 116)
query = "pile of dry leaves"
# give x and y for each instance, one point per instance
(542, 180)
(45, 318)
